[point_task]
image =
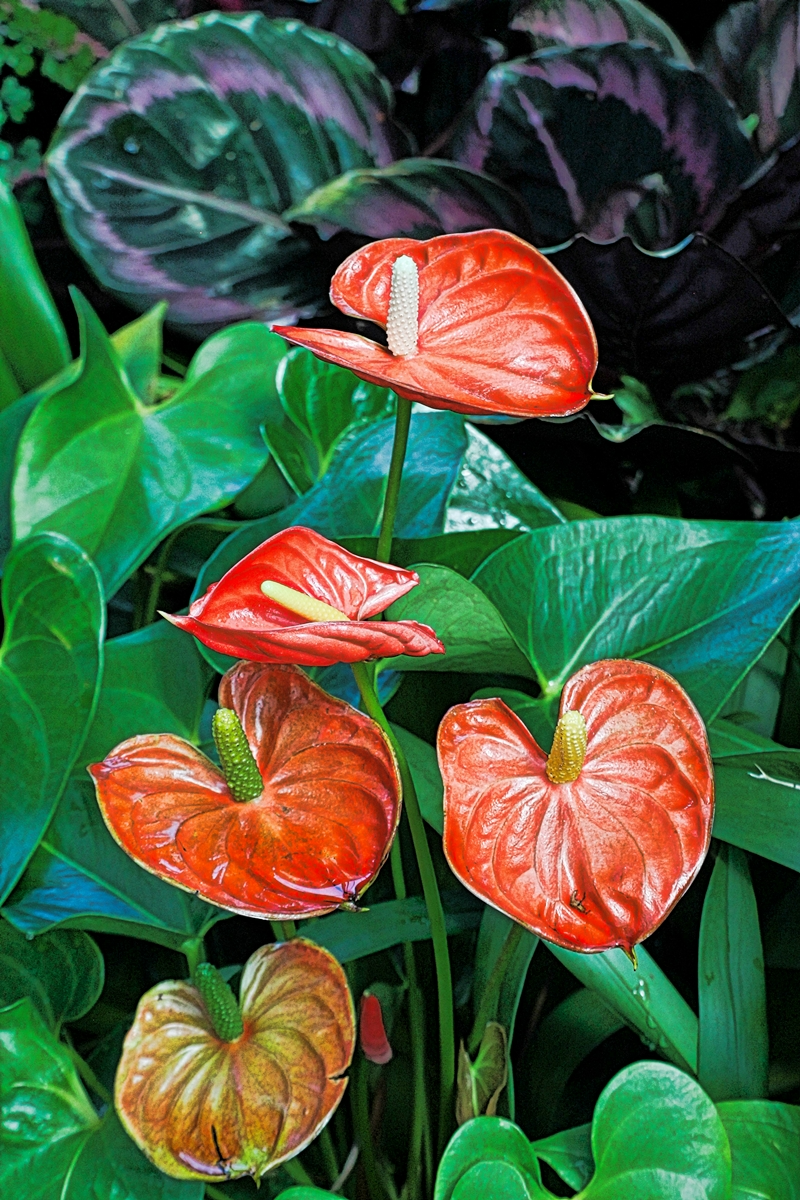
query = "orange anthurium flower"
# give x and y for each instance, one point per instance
(592, 845)
(302, 599)
(203, 1106)
(297, 822)
(481, 323)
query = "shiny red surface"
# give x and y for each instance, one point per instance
(599, 862)
(371, 1030)
(315, 838)
(500, 329)
(236, 618)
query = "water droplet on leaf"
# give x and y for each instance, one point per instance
(131, 146)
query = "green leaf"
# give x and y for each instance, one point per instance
(758, 803)
(293, 454)
(700, 599)
(480, 1083)
(765, 1148)
(769, 391)
(644, 998)
(139, 346)
(489, 1157)
(492, 493)
(115, 475)
(154, 681)
(62, 972)
(55, 1146)
(590, 22)
(33, 340)
(12, 423)
(462, 552)
(349, 936)
(80, 878)
(733, 1050)
(474, 634)
(574, 1028)
(426, 775)
(656, 1135)
(50, 667)
(569, 1153)
(189, 184)
(727, 739)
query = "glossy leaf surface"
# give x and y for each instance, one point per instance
(670, 317)
(116, 475)
(235, 617)
(733, 1049)
(415, 198)
(54, 1143)
(313, 840)
(700, 599)
(50, 669)
(545, 125)
(577, 23)
(350, 936)
(62, 972)
(500, 331)
(177, 156)
(765, 1148)
(79, 877)
(598, 862)
(202, 1108)
(759, 804)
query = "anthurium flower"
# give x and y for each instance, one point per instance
(208, 1102)
(591, 845)
(481, 323)
(302, 599)
(372, 1031)
(296, 822)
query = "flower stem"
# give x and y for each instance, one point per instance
(296, 1171)
(194, 951)
(401, 427)
(419, 1168)
(88, 1076)
(329, 1154)
(283, 931)
(433, 903)
(491, 992)
(360, 1104)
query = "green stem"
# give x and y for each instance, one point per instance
(401, 427)
(419, 1168)
(296, 1171)
(283, 931)
(215, 1193)
(433, 903)
(363, 1132)
(329, 1154)
(149, 609)
(88, 1076)
(488, 1005)
(194, 952)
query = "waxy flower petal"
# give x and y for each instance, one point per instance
(500, 329)
(236, 618)
(315, 838)
(203, 1108)
(600, 860)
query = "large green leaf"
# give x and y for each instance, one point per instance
(489, 1157)
(50, 667)
(54, 1146)
(732, 1051)
(154, 681)
(577, 23)
(474, 634)
(79, 877)
(765, 1148)
(62, 972)
(701, 599)
(33, 341)
(758, 803)
(116, 475)
(178, 154)
(644, 998)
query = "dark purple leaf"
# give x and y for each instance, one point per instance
(577, 23)
(729, 45)
(175, 159)
(605, 141)
(766, 211)
(416, 197)
(672, 317)
(770, 84)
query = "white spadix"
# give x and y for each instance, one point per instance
(402, 323)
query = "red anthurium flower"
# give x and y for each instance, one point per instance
(372, 1031)
(302, 599)
(296, 823)
(481, 323)
(592, 845)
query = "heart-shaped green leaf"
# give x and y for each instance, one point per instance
(62, 972)
(54, 1143)
(50, 665)
(175, 160)
(700, 599)
(115, 474)
(765, 1148)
